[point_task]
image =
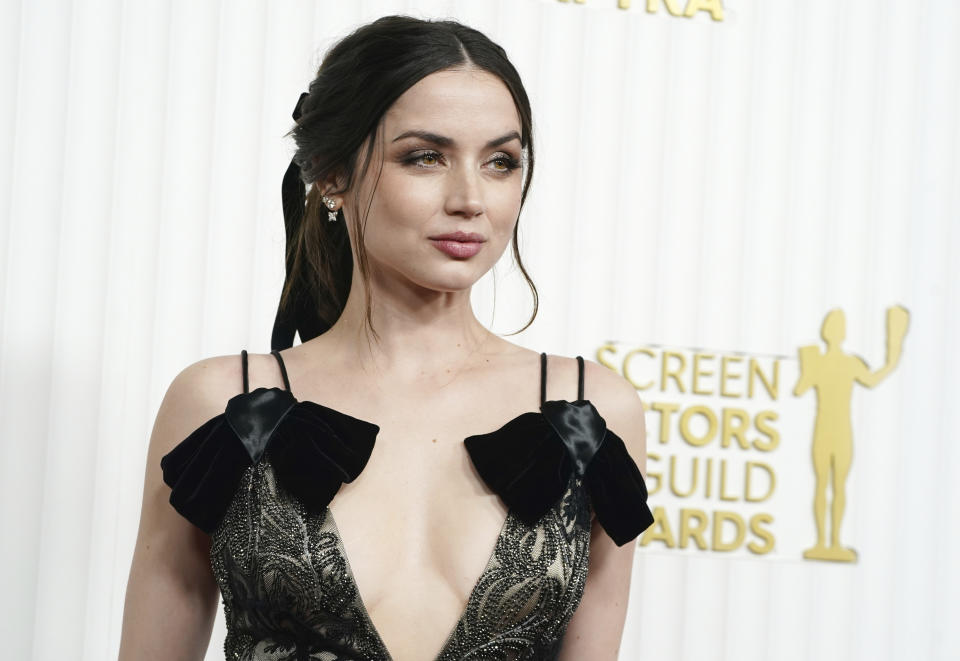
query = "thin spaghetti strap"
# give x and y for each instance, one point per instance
(283, 369)
(580, 378)
(243, 356)
(543, 378)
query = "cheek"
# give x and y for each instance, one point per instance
(405, 201)
(398, 219)
(505, 206)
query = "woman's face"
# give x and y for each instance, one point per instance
(451, 163)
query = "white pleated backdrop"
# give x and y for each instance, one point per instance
(700, 183)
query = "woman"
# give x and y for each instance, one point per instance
(358, 528)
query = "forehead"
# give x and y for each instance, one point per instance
(471, 103)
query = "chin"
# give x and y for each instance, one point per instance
(452, 284)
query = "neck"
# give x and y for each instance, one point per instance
(420, 332)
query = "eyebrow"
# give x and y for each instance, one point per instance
(444, 141)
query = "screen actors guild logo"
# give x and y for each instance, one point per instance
(675, 7)
(832, 375)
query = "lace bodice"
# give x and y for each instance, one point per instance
(260, 476)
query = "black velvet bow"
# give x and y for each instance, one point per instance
(529, 461)
(313, 449)
(300, 314)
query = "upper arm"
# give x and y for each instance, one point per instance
(596, 628)
(171, 596)
(807, 357)
(861, 372)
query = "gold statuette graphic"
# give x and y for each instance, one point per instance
(832, 375)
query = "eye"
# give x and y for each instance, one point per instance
(504, 163)
(424, 159)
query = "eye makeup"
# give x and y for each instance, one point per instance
(415, 158)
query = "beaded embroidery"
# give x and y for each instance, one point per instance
(289, 594)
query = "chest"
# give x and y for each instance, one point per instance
(419, 515)
(287, 576)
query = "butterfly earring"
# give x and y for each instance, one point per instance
(331, 205)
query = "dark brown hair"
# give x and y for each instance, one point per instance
(359, 79)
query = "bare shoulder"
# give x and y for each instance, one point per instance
(197, 393)
(171, 592)
(613, 396)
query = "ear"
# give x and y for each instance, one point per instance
(334, 182)
(333, 186)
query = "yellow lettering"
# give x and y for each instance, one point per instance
(719, 518)
(653, 456)
(626, 368)
(761, 423)
(715, 7)
(697, 372)
(672, 7)
(765, 535)
(693, 477)
(696, 532)
(771, 481)
(665, 410)
(771, 386)
(730, 430)
(676, 375)
(687, 433)
(659, 531)
(712, 6)
(723, 482)
(709, 477)
(602, 356)
(725, 375)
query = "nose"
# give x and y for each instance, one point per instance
(464, 195)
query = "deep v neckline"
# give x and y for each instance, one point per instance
(503, 527)
(341, 547)
(344, 553)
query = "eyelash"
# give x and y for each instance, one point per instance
(509, 161)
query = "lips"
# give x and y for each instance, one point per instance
(469, 237)
(457, 249)
(460, 245)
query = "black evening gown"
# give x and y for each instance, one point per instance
(259, 476)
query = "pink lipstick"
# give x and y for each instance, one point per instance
(459, 244)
